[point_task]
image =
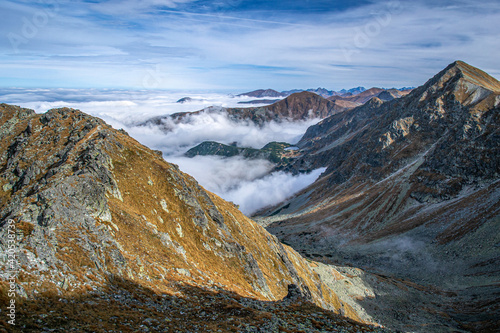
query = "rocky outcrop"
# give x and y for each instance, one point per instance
(411, 189)
(97, 215)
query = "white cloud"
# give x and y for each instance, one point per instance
(245, 182)
(235, 179)
(218, 127)
(222, 175)
(269, 190)
(133, 7)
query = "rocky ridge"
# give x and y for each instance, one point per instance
(106, 229)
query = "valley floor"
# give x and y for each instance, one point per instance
(400, 301)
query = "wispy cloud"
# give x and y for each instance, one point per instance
(231, 20)
(243, 44)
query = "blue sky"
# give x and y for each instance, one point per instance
(236, 45)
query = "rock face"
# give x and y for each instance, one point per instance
(298, 106)
(412, 190)
(101, 219)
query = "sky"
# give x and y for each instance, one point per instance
(236, 45)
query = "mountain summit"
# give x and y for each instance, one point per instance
(468, 85)
(462, 70)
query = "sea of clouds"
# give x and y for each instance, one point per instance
(248, 183)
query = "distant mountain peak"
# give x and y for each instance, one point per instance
(185, 100)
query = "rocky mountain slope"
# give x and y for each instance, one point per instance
(411, 191)
(111, 237)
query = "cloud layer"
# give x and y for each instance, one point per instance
(218, 127)
(269, 190)
(245, 182)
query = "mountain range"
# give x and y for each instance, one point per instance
(297, 106)
(400, 232)
(262, 93)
